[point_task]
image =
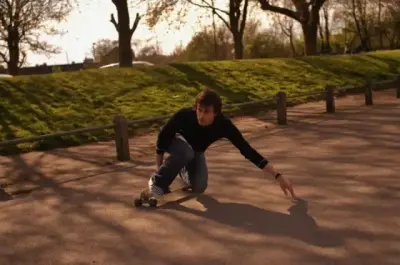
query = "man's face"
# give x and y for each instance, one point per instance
(205, 115)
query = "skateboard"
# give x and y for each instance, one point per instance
(144, 198)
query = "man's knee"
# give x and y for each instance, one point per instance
(200, 185)
(199, 188)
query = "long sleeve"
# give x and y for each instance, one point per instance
(236, 138)
(168, 132)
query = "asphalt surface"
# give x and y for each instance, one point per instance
(343, 166)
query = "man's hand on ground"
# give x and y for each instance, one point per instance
(286, 186)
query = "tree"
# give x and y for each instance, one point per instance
(103, 47)
(306, 13)
(286, 24)
(325, 28)
(22, 23)
(202, 45)
(234, 18)
(125, 32)
(392, 23)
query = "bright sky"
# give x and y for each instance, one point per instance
(92, 22)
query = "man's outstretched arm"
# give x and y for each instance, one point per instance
(237, 139)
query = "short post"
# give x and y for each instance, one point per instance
(368, 93)
(121, 138)
(330, 99)
(398, 87)
(281, 108)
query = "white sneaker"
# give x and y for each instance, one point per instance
(155, 191)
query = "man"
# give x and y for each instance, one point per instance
(188, 134)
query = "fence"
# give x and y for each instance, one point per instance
(121, 124)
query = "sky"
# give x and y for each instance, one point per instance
(91, 22)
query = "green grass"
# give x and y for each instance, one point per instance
(36, 105)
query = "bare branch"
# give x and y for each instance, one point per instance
(24, 22)
(285, 30)
(208, 5)
(112, 20)
(23, 59)
(243, 22)
(40, 46)
(3, 57)
(3, 17)
(214, 10)
(223, 20)
(135, 23)
(318, 4)
(266, 6)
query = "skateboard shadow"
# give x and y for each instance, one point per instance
(298, 224)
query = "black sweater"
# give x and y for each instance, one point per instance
(200, 138)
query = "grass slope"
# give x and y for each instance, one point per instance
(41, 104)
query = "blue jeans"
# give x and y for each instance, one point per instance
(181, 155)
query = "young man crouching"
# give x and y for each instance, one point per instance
(188, 134)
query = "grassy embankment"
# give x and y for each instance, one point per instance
(35, 105)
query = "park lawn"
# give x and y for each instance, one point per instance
(42, 104)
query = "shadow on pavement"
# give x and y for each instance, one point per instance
(298, 224)
(4, 196)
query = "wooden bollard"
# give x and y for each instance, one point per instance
(121, 138)
(330, 99)
(368, 93)
(398, 87)
(281, 108)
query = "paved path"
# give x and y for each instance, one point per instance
(344, 168)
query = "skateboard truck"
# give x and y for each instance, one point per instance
(145, 198)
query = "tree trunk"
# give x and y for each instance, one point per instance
(309, 20)
(327, 32)
(292, 45)
(238, 43)
(310, 30)
(310, 33)
(380, 24)
(124, 36)
(13, 50)
(322, 39)
(237, 24)
(357, 24)
(216, 57)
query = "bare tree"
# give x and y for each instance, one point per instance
(22, 23)
(286, 25)
(103, 47)
(306, 13)
(324, 27)
(234, 18)
(125, 31)
(361, 14)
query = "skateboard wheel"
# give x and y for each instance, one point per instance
(153, 202)
(138, 202)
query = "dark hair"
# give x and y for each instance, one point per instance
(209, 97)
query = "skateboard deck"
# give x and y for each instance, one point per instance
(174, 196)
